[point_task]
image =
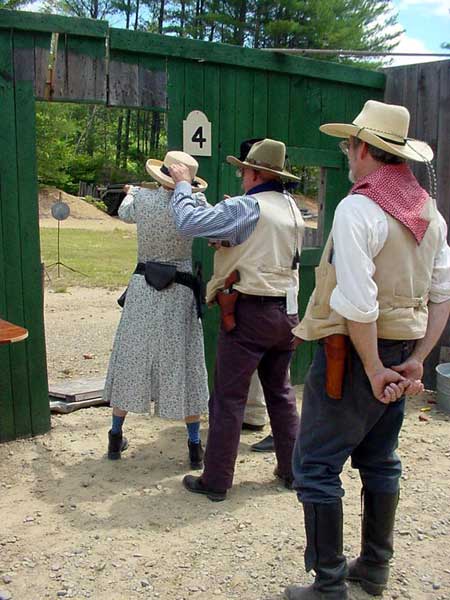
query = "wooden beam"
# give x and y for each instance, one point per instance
(29, 21)
(207, 52)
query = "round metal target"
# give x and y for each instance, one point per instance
(60, 211)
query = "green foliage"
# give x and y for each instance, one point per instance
(95, 202)
(54, 149)
(80, 143)
(12, 4)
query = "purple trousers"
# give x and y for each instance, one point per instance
(262, 340)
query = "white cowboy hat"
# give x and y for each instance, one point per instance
(267, 155)
(159, 170)
(384, 126)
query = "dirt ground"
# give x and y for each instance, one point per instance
(75, 525)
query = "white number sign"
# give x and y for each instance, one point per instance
(197, 134)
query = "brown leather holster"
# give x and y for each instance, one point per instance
(336, 352)
(227, 303)
(226, 299)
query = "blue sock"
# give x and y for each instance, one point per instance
(117, 423)
(193, 432)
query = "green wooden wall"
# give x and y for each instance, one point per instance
(244, 93)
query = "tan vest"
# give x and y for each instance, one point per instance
(403, 277)
(264, 260)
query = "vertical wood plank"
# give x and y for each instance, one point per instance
(175, 90)
(36, 404)
(443, 143)
(86, 65)
(228, 183)
(244, 115)
(278, 107)
(13, 281)
(7, 430)
(260, 104)
(305, 112)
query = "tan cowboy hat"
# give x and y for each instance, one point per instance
(384, 126)
(266, 155)
(159, 170)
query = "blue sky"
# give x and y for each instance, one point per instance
(426, 24)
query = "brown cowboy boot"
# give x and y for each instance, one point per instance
(371, 568)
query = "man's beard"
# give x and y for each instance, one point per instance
(351, 176)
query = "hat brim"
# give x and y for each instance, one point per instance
(153, 168)
(232, 160)
(411, 150)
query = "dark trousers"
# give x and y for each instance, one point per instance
(357, 426)
(262, 340)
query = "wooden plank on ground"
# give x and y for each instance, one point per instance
(75, 390)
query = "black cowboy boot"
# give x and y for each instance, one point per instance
(371, 568)
(323, 553)
(195, 455)
(116, 445)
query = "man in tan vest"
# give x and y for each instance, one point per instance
(264, 229)
(381, 301)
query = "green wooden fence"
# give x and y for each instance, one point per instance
(244, 93)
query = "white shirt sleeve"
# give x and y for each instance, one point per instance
(359, 232)
(127, 209)
(440, 281)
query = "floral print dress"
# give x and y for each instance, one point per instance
(158, 352)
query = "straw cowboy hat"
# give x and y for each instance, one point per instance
(159, 170)
(266, 155)
(384, 126)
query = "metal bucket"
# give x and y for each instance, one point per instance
(443, 386)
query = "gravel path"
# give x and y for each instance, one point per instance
(75, 525)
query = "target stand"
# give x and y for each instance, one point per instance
(60, 212)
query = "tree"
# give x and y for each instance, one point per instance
(92, 9)
(12, 4)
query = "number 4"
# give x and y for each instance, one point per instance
(198, 136)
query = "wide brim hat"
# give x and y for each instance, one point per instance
(159, 170)
(384, 126)
(266, 155)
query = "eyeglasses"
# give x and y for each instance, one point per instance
(344, 147)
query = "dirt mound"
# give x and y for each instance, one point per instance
(82, 214)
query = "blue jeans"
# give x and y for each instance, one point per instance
(356, 426)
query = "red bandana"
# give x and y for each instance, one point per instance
(395, 189)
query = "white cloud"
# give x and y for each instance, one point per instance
(409, 44)
(440, 8)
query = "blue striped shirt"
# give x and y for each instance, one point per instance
(233, 220)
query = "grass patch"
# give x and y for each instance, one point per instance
(106, 257)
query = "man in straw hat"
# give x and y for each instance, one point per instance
(264, 231)
(381, 301)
